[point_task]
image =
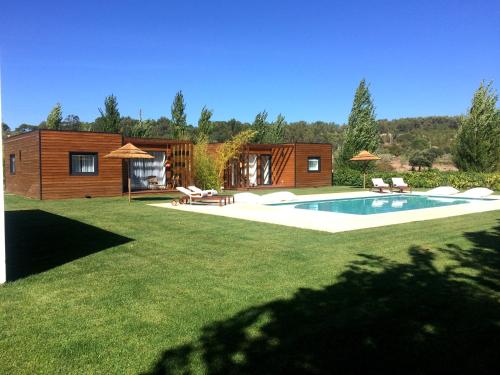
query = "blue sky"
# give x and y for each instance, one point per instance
(303, 59)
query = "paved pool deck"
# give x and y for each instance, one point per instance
(330, 221)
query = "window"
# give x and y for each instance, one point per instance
(314, 164)
(12, 163)
(83, 164)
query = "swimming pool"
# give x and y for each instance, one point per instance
(379, 204)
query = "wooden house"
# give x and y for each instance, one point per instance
(279, 165)
(50, 164)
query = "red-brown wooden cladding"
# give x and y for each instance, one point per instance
(282, 166)
(289, 164)
(26, 180)
(43, 163)
(303, 177)
(55, 163)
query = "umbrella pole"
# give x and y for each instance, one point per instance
(128, 168)
(364, 180)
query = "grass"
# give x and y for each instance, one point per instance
(102, 286)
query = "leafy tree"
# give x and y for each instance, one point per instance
(225, 130)
(421, 159)
(54, 119)
(477, 146)
(232, 149)
(5, 129)
(205, 171)
(109, 121)
(362, 131)
(71, 122)
(260, 127)
(24, 128)
(179, 123)
(205, 126)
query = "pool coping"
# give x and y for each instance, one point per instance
(335, 222)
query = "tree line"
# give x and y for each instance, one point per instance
(473, 139)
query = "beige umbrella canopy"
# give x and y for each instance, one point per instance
(129, 151)
(364, 156)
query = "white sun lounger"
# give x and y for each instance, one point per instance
(190, 194)
(380, 185)
(209, 192)
(399, 184)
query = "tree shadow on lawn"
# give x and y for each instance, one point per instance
(380, 316)
(37, 241)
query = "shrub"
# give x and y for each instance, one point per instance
(427, 179)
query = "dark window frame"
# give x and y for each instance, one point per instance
(319, 164)
(12, 164)
(96, 165)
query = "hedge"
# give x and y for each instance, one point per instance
(426, 179)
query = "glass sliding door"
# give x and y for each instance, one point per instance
(266, 173)
(144, 168)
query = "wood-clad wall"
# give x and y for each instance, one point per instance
(55, 163)
(283, 166)
(26, 180)
(313, 179)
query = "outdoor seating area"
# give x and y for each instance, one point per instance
(195, 195)
(397, 184)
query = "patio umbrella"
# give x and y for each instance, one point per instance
(129, 151)
(364, 156)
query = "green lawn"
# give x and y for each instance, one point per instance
(107, 287)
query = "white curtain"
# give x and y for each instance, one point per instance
(234, 170)
(83, 163)
(144, 168)
(266, 169)
(252, 164)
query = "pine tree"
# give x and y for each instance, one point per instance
(477, 146)
(54, 119)
(110, 117)
(362, 129)
(205, 126)
(179, 123)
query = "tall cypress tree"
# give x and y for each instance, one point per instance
(362, 129)
(277, 133)
(261, 127)
(179, 123)
(477, 146)
(110, 117)
(54, 119)
(205, 126)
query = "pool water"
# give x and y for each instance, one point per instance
(378, 205)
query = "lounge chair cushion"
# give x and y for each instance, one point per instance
(206, 192)
(398, 182)
(378, 182)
